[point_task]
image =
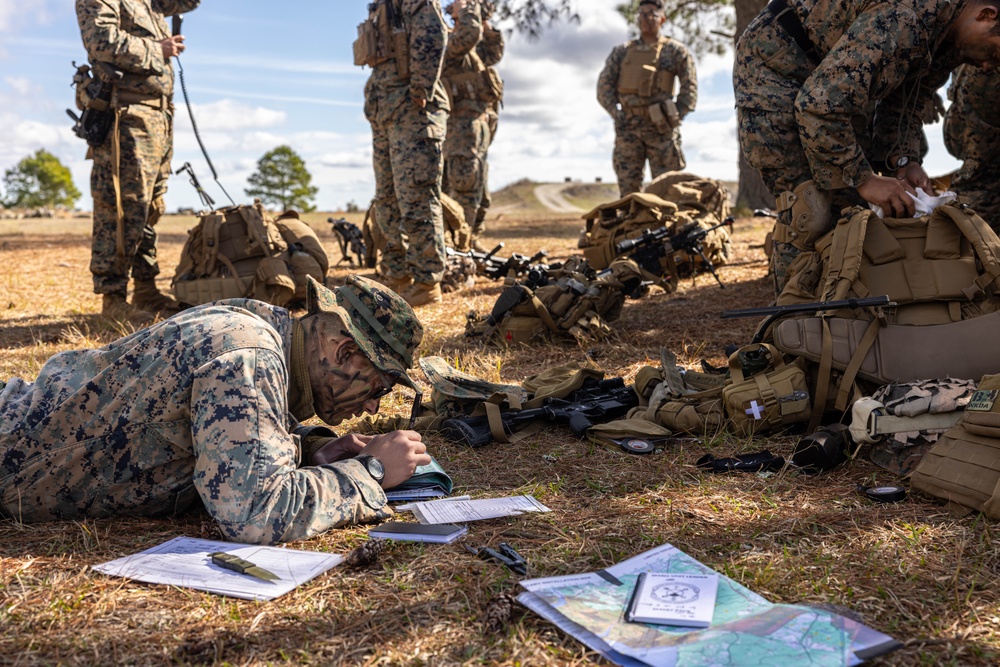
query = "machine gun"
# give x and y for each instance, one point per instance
(595, 402)
(499, 268)
(98, 118)
(206, 199)
(646, 250)
(351, 240)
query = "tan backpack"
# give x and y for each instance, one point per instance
(241, 252)
(691, 192)
(942, 270)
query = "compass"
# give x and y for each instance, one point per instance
(673, 593)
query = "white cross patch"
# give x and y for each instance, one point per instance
(755, 409)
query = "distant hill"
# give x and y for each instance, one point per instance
(521, 195)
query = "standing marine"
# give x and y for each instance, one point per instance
(831, 92)
(403, 41)
(491, 49)
(131, 168)
(636, 88)
(972, 134)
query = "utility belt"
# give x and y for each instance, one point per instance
(791, 24)
(126, 98)
(663, 115)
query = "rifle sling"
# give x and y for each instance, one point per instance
(116, 176)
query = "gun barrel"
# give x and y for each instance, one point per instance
(495, 250)
(648, 236)
(867, 302)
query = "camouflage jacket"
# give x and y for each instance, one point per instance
(882, 62)
(491, 47)
(462, 62)
(126, 34)
(674, 58)
(972, 122)
(192, 407)
(428, 36)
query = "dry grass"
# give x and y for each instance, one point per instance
(910, 569)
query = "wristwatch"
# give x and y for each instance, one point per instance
(904, 160)
(374, 467)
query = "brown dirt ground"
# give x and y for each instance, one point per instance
(911, 569)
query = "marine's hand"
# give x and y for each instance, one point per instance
(890, 194)
(400, 453)
(337, 449)
(172, 46)
(419, 101)
(915, 175)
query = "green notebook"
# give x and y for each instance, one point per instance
(427, 481)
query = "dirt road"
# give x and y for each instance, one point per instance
(551, 197)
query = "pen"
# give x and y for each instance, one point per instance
(417, 398)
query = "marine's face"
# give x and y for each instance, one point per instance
(650, 20)
(977, 40)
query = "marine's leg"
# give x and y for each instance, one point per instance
(465, 147)
(664, 151)
(629, 158)
(392, 264)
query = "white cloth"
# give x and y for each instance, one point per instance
(925, 203)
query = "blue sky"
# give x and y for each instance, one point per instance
(261, 74)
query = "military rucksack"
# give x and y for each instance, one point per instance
(942, 270)
(241, 252)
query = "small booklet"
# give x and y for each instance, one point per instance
(443, 533)
(686, 600)
(427, 481)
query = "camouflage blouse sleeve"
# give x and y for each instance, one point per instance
(607, 82)
(245, 469)
(467, 33)
(171, 7)
(868, 63)
(428, 38)
(105, 41)
(687, 77)
(491, 49)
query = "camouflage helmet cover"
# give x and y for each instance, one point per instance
(382, 325)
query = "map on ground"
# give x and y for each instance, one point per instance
(746, 630)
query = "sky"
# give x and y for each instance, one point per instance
(261, 74)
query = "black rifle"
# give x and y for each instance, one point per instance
(93, 125)
(646, 250)
(351, 240)
(772, 313)
(595, 402)
(497, 268)
(206, 199)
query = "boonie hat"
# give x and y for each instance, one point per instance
(656, 3)
(383, 326)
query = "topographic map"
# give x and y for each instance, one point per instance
(746, 629)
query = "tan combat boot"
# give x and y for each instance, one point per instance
(397, 285)
(147, 297)
(115, 307)
(421, 294)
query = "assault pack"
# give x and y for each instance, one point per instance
(383, 37)
(241, 252)
(675, 204)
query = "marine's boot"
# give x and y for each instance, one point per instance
(421, 294)
(147, 297)
(397, 285)
(115, 307)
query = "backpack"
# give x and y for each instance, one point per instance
(574, 303)
(942, 270)
(241, 252)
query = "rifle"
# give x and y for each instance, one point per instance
(499, 268)
(206, 200)
(647, 249)
(351, 240)
(98, 118)
(772, 313)
(596, 401)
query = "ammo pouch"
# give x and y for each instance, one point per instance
(382, 37)
(963, 466)
(765, 394)
(679, 400)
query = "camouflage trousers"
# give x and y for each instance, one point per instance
(492, 120)
(979, 186)
(638, 141)
(408, 160)
(146, 136)
(465, 148)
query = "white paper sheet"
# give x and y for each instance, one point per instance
(185, 562)
(460, 511)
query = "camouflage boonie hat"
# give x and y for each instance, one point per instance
(382, 325)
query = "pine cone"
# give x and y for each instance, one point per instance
(367, 554)
(498, 613)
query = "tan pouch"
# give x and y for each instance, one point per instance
(673, 116)
(273, 283)
(366, 45)
(522, 329)
(768, 400)
(659, 119)
(696, 414)
(627, 428)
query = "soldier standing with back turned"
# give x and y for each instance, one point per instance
(403, 41)
(637, 88)
(131, 167)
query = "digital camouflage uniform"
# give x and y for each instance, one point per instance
(972, 134)
(407, 147)
(126, 34)
(490, 50)
(800, 122)
(468, 137)
(193, 408)
(636, 137)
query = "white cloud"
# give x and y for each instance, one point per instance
(229, 115)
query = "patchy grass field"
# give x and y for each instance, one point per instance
(910, 570)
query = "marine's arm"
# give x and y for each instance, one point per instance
(607, 82)
(105, 41)
(245, 468)
(171, 7)
(428, 37)
(491, 48)
(687, 77)
(467, 33)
